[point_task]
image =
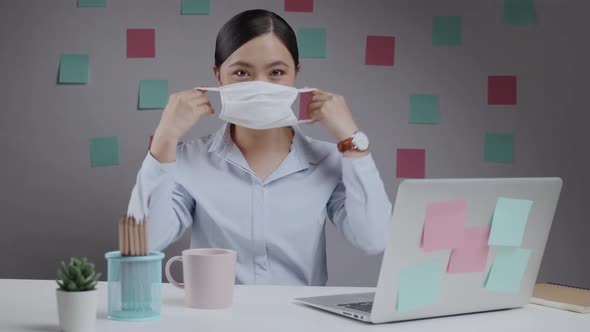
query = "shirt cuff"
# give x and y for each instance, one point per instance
(362, 164)
(153, 168)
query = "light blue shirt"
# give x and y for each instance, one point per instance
(276, 225)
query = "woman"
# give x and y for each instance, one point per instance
(264, 193)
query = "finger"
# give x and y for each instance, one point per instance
(198, 99)
(315, 106)
(318, 97)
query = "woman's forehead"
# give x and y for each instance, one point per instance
(262, 51)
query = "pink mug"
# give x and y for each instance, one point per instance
(209, 276)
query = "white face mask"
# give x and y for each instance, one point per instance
(258, 104)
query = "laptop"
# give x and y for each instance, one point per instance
(456, 293)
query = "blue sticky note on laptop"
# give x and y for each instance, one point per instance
(509, 221)
(508, 269)
(419, 285)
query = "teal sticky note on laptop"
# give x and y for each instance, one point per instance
(153, 94)
(419, 285)
(312, 42)
(508, 269)
(73, 68)
(509, 221)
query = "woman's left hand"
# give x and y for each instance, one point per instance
(332, 112)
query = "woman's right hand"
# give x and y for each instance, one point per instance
(182, 112)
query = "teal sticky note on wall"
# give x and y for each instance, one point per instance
(447, 31)
(499, 148)
(509, 221)
(104, 151)
(312, 42)
(92, 3)
(519, 12)
(153, 94)
(424, 109)
(419, 285)
(73, 68)
(195, 7)
(508, 269)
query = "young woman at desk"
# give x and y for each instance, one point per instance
(258, 185)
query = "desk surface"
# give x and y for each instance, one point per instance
(30, 305)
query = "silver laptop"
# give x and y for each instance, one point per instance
(459, 293)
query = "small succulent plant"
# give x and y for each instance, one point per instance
(79, 276)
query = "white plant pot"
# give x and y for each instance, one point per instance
(77, 310)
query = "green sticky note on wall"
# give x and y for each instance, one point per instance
(519, 12)
(104, 151)
(509, 221)
(92, 3)
(447, 31)
(508, 269)
(419, 285)
(73, 68)
(499, 148)
(312, 42)
(195, 7)
(153, 94)
(424, 109)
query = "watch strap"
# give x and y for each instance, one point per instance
(345, 145)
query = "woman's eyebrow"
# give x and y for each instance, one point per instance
(277, 63)
(241, 64)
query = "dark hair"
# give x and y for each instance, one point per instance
(248, 25)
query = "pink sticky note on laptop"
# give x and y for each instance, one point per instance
(473, 256)
(444, 225)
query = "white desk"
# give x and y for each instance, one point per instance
(30, 305)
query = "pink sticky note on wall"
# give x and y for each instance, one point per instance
(444, 225)
(502, 90)
(304, 100)
(303, 6)
(380, 51)
(141, 43)
(411, 163)
(473, 256)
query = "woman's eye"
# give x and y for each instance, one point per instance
(277, 72)
(241, 73)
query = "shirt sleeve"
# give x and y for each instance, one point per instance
(359, 206)
(168, 207)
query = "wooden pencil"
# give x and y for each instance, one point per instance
(124, 252)
(121, 242)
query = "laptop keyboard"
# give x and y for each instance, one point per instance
(360, 306)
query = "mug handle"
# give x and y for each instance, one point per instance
(169, 275)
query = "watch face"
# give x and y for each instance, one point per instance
(361, 141)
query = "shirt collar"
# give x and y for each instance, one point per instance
(301, 147)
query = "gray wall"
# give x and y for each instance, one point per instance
(53, 205)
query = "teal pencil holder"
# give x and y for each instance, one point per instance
(134, 286)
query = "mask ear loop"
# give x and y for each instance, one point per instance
(205, 88)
